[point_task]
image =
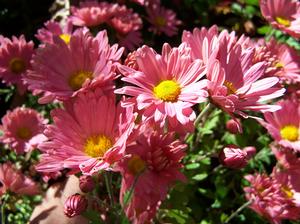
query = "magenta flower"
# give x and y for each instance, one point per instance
(282, 14)
(15, 56)
(284, 124)
(163, 20)
(75, 205)
(155, 161)
(92, 13)
(89, 135)
(61, 70)
(233, 157)
(22, 129)
(14, 181)
(167, 85)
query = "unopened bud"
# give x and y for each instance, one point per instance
(130, 61)
(250, 150)
(86, 183)
(232, 126)
(233, 157)
(75, 205)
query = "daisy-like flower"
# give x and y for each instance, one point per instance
(167, 85)
(92, 13)
(163, 20)
(282, 14)
(281, 60)
(61, 70)
(89, 135)
(22, 129)
(151, 167)
(14, 181)
(284, 124)
(15, 56)
(52, 29)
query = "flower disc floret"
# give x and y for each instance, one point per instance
(76, 80)
(290, 132)
(136, 165)
(283, 21)
(17, 65)
(24, 133)
(97, 145)
(167, 91)
(65, 37)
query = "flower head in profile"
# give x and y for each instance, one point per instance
(75, 205)
(14, 181)
(61, 70)
(151, 166)
(88, 135)
(282, 14)
(15, 56)
(22, 129)
(92, 13)
(284, 124)
(167, 85)
(163, 20)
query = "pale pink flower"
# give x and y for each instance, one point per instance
(233, 157)
(88, 135)
(92, 13)
(61, 70)
(163, 20)
(14, 181)
(52, 29)
(75, 205)
(281, 60)
(167, 85)
(22, 129)
(284, 124)
(15, 56)
(153, 163)
(282, 14)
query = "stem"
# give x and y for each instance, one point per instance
(107, 178)
(131, 190)
(3, 211)
(203, 113)
(238, 211)
(270, 34)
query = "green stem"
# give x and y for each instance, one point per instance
(107, 178)
(203, 113)
(131, 191)
(270, 34)
(238, 211)
(3, 211)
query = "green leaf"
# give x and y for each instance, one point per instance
(192, 166)
(252, 2)
(264, 30)
(179, 216)
(92, 216)
(200, 177)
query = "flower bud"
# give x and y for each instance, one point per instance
(75, 205)
(130, 61)
(86, 183)
(232, 126)
(233, 157)
(250, 150)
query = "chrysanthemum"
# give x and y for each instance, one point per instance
(286, 159)
(163, 20)
(153, 164)
(22, 129)
(167, 85)
(92, 13)
(89, 135)
(14, 181)
(282, 14)
(284, 124)
(15, 56)
(61, 70)
(52, 29)
(281, 60)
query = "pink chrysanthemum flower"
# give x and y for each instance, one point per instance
(92, 13)
(270, 199)
(281, 60)
(52, 29)
(89, 135)
(284, 124)
(61, 70)
(22, 129)
(282, 14)
(163, 20)
(14, 181)
(286, 159)
(15, 56)
(235, 84)
(153, 164)
(167, 85)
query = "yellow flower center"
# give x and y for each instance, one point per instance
(290, 132)
(287, 191)
(65, 37)
(279, 65)
(167, 91)
(230, 87)
(17, 65)
(97, 145)
(76, 80)
(160, 21)
(24, 133)
(283, 21)
(136, 165)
